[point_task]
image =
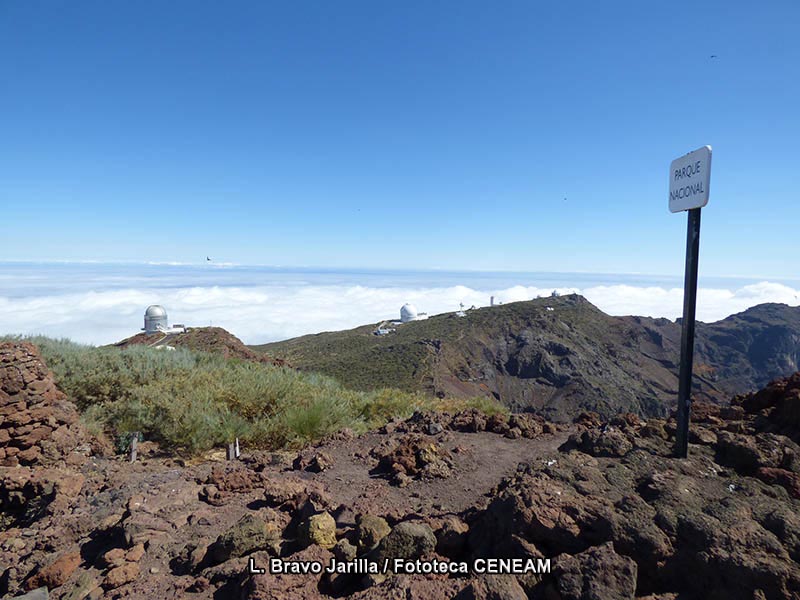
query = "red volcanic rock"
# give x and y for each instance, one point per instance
(779, 401)
(56, 573)
(38, 424)
(782, 477)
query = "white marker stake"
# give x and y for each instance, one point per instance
(689, 182)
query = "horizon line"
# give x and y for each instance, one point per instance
(226, 264)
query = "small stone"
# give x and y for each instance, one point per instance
(320, 462)
(114, 557)
(434, 428)
(451, 536)
(119, 576)
(402, 480)
(135, 554)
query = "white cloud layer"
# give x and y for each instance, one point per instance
(259, 314)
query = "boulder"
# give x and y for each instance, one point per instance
(598, 573)
(606, 441)
(319, 530)
(370, 530)
(407, 540)
(119, 576)
(56, 573)
(451, 536)
(248, 535)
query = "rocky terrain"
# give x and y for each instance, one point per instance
(602, 499)
(38, 424)
(558, 356)
(202, 339)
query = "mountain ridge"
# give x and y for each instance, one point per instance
(558, 356)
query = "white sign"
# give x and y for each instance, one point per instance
(689, 179)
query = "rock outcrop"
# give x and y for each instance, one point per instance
(38, 424)
(622, 518)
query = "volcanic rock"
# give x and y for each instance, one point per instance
(56, 573)
(38, 424)
(597, 573)
(248, 535)
(407, 540)
(318, 529)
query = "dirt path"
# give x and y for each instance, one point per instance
(482, 460)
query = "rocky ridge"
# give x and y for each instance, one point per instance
(214, 340)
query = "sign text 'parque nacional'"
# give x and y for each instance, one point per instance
(689, 179)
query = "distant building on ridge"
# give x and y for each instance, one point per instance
(155, 319)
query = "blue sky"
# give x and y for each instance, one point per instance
(403, 135)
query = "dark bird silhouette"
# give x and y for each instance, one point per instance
(208, 259)
(713, 56)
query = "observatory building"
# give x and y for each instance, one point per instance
(408, 312)
(155, 319)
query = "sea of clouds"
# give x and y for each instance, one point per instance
(101, 308)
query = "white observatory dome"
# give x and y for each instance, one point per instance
(408, 313)
(155, 310)
(155, 319)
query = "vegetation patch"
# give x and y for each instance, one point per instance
(192, 401)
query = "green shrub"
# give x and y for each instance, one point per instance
(192, 401)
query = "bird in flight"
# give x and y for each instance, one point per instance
(713, 56)
(208, 259)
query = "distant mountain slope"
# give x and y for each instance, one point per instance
(202, 339)
(557, 356)
(750, 348)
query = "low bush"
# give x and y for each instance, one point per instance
(193, 401)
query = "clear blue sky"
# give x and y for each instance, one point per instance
(399, 134)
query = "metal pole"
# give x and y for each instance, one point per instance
(687, 333)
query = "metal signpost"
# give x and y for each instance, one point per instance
(689, 180)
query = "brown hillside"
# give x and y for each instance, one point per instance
(203, 339)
